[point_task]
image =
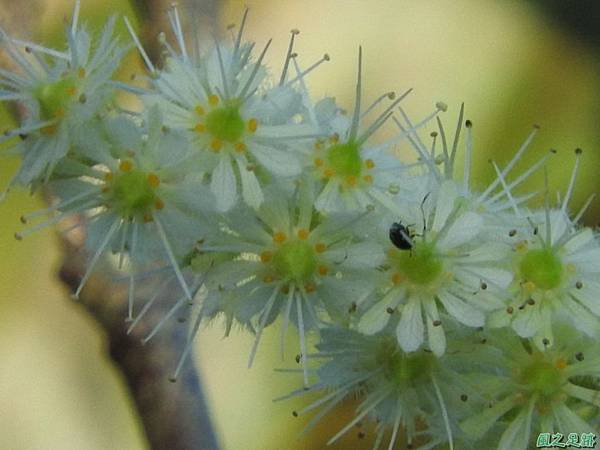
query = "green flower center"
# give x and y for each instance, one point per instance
(542, 267)
(420, 265)
(54, 98)
(405, 370)
(295, 260)
(543, 378)
(132, 193)
(344, 159)
(225, 123)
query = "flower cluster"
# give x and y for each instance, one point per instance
(460, 317)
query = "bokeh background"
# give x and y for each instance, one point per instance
(513, 63)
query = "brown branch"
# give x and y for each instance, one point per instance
(174, 414)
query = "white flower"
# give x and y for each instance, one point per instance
(446, 263)
(60, 91)
(527, 391)
(240, 127)
(135, 198)
(294, 263)
(354, 172)
(397, 390)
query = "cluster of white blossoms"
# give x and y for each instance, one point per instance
(459, 317)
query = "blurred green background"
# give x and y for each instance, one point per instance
(513, 66)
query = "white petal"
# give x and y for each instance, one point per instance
(329, 198)
(445, 204)
(251, 191)
(436, 335)
(466, 227)
(377, 317)
(527, 322)
(516, 436)
(588, 296)
(581, 239)
(410, 328)
(223, 184)
(461, 311)
(279, 162)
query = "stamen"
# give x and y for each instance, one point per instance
(288, 56)
(254, 71)
(468, 155)
(75, 17)
(164, 319)
(456, 137)
(440, 399)
(396, 427)
(302, 339)
(42, 212)
(149, 304)
(262, 323)
(178, 30)
(357, 98)
(286, 319)
(130, 297)
(511, 163)
(391, 95)
(238, 41)
(506, 189)
(114, 227)
(171, 256)
(301, 75)
(524, 175)
(366, 409)
(222, 70)
(584, 208)
(140, 48)
(383, 117)
(571, 181)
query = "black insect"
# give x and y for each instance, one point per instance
(401, 236)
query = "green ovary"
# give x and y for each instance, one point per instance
(295, 260)
(408, 370)
(54, 98)
(132, 193)
(420, 265)
(344, 159)
(542, 378)
(225, 123)
(542, 267)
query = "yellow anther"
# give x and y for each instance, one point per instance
(252, 125)
(153, 180)
(351, 180)
(368, 179)
(397, 278)
(266, 256)
(216, 145)
(521, 245)
(199, 110)
(318, 162)
(81, 72)
(369, 163)
(268, 279)
(240, 147)
(560, 363)
(328, 173)
(126, 166)
(318, 145)
(320, 247)
(334, 138)
(279, 237)
(60, 113)
(200, 128)
(108, 176)
(213, 100)
(310, 287)
(71, 91)
(323, 270)
(148, 217)
(303, 233)
(528, 286)
(159, 204)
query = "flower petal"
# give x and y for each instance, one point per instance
(223, 184)
(410, 329)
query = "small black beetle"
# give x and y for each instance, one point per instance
(401, 236)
